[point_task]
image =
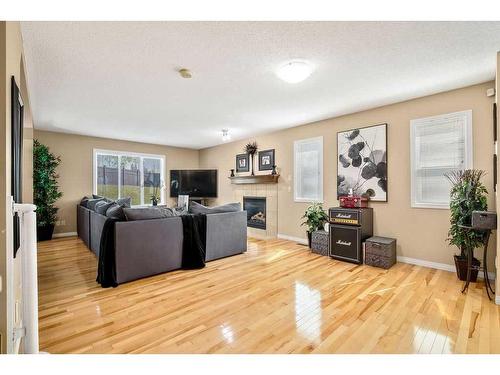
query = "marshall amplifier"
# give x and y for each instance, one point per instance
(349, 227)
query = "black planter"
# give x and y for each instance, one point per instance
(44, 233)
(309, 238)
(461, 267)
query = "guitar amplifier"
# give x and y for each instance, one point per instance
(349, 227)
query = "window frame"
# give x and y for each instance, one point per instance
(140, 155)
(466, 117)
(296, 144)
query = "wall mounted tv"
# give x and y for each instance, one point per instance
(197, 183)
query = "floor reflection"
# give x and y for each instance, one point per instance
(227, 333)
(308, 312)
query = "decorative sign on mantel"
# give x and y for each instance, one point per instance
(256, 179)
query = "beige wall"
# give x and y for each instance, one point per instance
(11, 64)
(421, 233)
(497, 97)
(75, 170)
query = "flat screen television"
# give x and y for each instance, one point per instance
(197, 183)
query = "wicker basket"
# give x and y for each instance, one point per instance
(380, 252)
(319, 242)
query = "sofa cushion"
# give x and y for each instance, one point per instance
(92, 202)
(84, 201)
(124, 202)
(95, 196)
(196, 208)
(102, 206)
(115, 211)
(147, 213)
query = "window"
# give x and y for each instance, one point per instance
(124, 174)
(308, 170)
(439, 145)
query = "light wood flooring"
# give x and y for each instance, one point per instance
(276, 298)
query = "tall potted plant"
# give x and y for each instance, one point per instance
(45, 189)
(251, 149)
(314, 218)
(467, 194)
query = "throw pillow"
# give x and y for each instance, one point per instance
(124, 202)
(102, 206)
(92, 202)
(146, 213)
(115, 211)
(196, 208)
(84, 201)
(95, 196)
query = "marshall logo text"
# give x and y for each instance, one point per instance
(343, 243)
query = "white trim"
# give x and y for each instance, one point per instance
(497, 300)
(466, 116)
(295, 173)
(300, 240)
(438, 266)
(163, 176)
(67, 234)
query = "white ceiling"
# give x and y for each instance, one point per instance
(119, 79)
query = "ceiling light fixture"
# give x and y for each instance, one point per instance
(295, 71)
(226, 137)
(185, 73)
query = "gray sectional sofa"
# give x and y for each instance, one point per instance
(149, 247)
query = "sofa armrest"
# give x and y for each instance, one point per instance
(226, 234)
(147, 247)
(83, 224)
(96, 225)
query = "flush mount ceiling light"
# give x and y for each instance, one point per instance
(295, 71)
(225, 135)
(185, 73)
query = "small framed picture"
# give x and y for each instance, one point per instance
(242, 163)
(266, 160)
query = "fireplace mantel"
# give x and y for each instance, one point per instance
(257, 179)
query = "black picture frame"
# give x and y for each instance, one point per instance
(242, 163)
(266, 160)
(17, 116)
(384, 126)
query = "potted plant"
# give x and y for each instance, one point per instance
(251, 149)
(45, 189)
(467, 194)
(315, 218)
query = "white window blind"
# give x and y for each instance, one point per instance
(120, 174)
(308, 170)
(439, 145)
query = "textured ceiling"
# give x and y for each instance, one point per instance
(119, 79)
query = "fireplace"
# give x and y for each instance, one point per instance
(256, 211)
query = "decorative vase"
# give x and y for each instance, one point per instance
(154, 201)
(232, 172)
(252, 155)
(274, 170)
(309, 238)
(461, 267)
(44, 233)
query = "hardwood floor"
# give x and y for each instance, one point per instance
(276, 298)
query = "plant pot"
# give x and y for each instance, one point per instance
(461, 267)
(309, 238)
(44, 233)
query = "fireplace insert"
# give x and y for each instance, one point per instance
(256, 211)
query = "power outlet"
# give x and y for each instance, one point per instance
(60, 222)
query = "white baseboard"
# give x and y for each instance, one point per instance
(438, 266)
(302, 241)
(67, 234)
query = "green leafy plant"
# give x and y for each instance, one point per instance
(250, 148)
(45, 189)
(467, 194)
(315, 217)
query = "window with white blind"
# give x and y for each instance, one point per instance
(308, 170)
(120, 174)
(439, 145)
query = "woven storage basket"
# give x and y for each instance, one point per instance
(380, 252)
(319, 242)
